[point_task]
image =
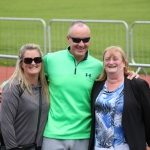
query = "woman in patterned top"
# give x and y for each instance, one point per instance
(120, 107)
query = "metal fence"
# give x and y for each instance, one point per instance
(103, 34)
(15, 32)
(140, 46)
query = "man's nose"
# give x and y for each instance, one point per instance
(81, 43)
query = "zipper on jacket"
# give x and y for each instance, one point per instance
(75, 69)
(76, 64)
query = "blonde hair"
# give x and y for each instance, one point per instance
(19, 73)
(113, 50)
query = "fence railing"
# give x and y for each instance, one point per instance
(103, 33)
(15, 32)
(140, 45)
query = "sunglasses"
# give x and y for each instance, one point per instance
(29, 60)
(78, 40)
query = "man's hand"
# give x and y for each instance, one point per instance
(132, 75)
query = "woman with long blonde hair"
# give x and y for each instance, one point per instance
(25, 101)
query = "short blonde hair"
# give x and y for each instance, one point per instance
(113, 50)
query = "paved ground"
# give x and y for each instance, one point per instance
(6, 72)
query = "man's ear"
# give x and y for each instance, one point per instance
(67, 37)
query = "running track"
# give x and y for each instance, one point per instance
(6, 72)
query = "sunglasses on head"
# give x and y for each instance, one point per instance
(29, 60)
(78, 40)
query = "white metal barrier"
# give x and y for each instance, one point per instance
(104, 33)
(140, 45)
(15, 32)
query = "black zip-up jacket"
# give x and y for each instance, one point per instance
(136, 113)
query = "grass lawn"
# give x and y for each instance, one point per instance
(129, 10)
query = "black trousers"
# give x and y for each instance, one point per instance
(2, 141)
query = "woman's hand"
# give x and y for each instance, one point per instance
(147, 148)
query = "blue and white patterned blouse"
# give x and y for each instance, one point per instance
(109, 133)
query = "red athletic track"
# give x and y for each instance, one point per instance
(6, 72)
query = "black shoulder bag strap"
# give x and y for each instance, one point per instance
(39, 116)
